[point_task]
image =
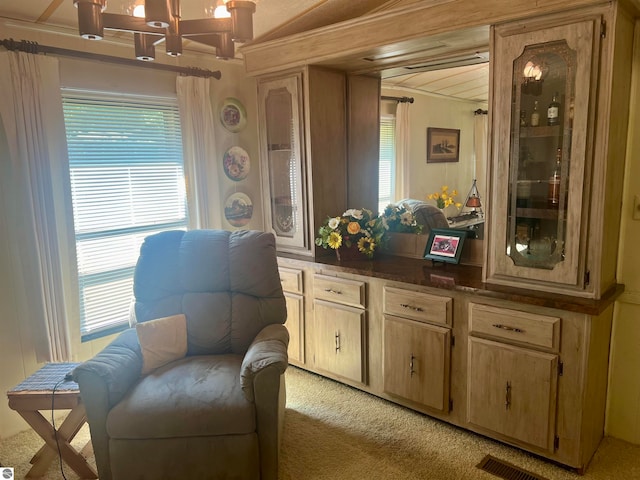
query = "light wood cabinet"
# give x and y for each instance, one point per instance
(340, 327)
(554, 200)
(417, 346)
(512, 391)
(340, 347)
(293, 287)
(416, 362)
(302, 118)
(510, 366)
(512, 374)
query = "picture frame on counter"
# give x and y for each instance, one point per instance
(445, 245)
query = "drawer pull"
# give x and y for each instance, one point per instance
(508, 328)
(331, 290)
(410, 307)
(337, 341)
(411, 370)
(507, 398)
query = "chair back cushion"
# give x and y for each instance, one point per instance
(226, 284)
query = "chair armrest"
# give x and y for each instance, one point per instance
(118, 365)
(269, 348)
(103, 381)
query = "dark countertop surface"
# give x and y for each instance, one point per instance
(460, 278)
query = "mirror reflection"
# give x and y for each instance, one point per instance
(451, 100)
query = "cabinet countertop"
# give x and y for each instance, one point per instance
(459, 278)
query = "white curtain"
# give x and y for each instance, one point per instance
(481, 153)
(200, 163)
(403, 173)
(33, 183)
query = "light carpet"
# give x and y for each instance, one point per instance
(334, 432)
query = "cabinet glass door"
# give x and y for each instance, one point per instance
(541, 147)
(282, 159)
(544, 83)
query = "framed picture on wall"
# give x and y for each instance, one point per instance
(443, 145)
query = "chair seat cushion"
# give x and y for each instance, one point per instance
(194, 396)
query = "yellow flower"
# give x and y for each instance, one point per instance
(353, 228)
(366, 245)
(335, 240)
(444, 198)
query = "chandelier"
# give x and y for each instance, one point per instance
(162, 23)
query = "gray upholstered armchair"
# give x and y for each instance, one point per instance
(217, 411)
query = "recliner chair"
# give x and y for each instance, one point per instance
(218, 411)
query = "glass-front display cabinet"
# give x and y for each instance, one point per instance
(541, 152)
(282, 161)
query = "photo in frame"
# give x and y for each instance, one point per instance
(443, 145)
(445, 245)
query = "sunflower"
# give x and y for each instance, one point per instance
(367, 245)
(335, 240)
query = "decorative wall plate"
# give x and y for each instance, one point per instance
(233, 114)
(236, 163)
(238, 209)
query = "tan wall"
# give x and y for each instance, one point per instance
(17, 351)
(623, 413)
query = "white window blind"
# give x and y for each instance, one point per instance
(387, 167)
(127, 182)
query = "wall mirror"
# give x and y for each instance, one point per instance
(447, 94)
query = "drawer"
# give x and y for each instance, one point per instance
(515, 325)
(419, 306)
(291, 280)
(341, 290)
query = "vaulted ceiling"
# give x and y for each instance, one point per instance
(457, 66)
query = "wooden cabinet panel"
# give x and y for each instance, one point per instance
(419, 306)
(291, 280)
(416, 362)
(512, 391)
(339, 340)
(348, 292)
(295, 326)
(515, 325)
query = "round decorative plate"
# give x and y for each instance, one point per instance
(238, 209)
(236, 163)
(233, 115)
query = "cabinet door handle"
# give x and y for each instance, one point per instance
(331, 290)
(507, 397)
(337, 341)
(411, 307)
(508, 328)
(411, 370)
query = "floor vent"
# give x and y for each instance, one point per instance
(505, 470)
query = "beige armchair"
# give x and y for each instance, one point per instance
(216, 412)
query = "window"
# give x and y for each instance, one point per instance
(387, 168)
(127, 182)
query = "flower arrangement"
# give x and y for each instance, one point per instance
(399, 218)
(354, 227)
(444, 198)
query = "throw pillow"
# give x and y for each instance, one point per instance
(162, 340)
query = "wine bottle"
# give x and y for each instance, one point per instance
(523, 118)
(553, 111)
(554, 182)
(535, 115)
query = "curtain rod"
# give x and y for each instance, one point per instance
(399, 99)
(35, 47)
(480, 112)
